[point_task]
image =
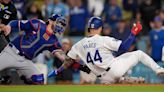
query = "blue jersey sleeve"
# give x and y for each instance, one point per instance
(125, 45)
(20, 25)
(25, 25)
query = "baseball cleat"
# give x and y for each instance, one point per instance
(132, 80)
(160, 71)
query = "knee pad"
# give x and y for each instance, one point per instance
(37, 79)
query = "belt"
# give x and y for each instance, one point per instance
(105, 71)
(19, 53)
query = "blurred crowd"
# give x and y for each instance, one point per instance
(118, 17)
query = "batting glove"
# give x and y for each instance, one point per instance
(137, 27)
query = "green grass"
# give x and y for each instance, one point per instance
(83, 88)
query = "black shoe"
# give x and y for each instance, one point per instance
(5, 80)
(26, 81)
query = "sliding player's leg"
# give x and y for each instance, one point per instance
(128, 60)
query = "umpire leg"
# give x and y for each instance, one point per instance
(3, 44)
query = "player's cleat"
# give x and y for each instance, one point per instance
(25, 80)
(160, 71)
(5, 80)
(131, 80)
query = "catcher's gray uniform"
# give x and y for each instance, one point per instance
(10, 58)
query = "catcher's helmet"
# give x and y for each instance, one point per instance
(60, 24)
(95, 23)
(54, 17)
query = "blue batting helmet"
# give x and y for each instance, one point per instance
(95, 22)
(60, 23)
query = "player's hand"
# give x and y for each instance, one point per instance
(52, 73)
(5, 28)
(137, 27)
(1, 27)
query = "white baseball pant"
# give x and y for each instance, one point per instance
(123, 63)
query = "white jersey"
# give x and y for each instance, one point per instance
(95, 52)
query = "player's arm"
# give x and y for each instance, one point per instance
(59, 54)
(57, 51)
(125, 45)
(67, 62)
(5, 29)
(69, 59)
(122, 46)
(15, 25)
(22, 25)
